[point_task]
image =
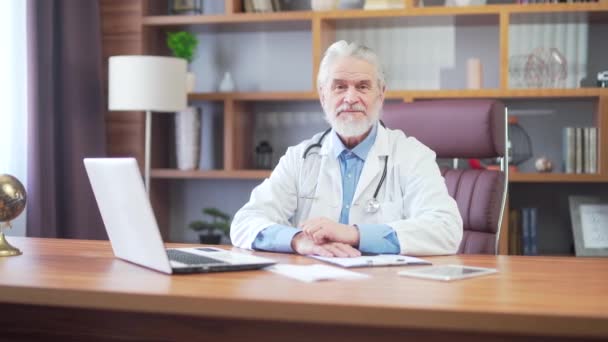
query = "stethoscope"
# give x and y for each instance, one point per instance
(373, 205)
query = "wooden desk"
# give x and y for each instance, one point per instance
(75, 290)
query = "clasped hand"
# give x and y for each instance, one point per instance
(324, 237)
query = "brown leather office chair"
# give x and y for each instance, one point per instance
(464, 129)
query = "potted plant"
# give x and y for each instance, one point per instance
(211, 232)
(183, 45)
(188, 121)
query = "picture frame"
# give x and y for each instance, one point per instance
(589, 216)
(177, 7)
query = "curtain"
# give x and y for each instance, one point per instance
(65, 117)
(13, 117)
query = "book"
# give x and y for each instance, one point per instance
(568, 149)
(525, 231)
(578, 154)
(591, 150)
(276, 5)
(514, 233)
(533, 217)
(248, 6)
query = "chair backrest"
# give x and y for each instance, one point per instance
(463, 129)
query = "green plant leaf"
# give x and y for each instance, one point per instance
(220, 221)
(182, 44)
(214, 212)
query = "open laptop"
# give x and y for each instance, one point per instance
(133, 231)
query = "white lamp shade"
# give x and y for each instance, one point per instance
(151, 83)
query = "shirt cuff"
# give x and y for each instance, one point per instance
(378, 239)
(276, 238)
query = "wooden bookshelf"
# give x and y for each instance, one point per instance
(133, 27)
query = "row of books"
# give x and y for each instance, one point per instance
(523, 231)
(580, 149)
(261, 6)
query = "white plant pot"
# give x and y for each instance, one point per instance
(190, 82)
(188, 138)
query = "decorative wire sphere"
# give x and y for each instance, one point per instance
(12, 198)
(520, 144)
(546, 68)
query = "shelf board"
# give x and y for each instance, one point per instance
(499, 94)
(410, 95)
(173, 20)
(255, 96)
(517, 177)
(176, 20)
(209, 174)
(556, 8)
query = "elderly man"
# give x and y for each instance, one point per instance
(357, 187)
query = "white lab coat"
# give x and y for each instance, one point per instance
(414, 199)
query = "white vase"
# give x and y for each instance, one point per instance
(188, 138)
(227, 83)
(323, 5)
(190, 82)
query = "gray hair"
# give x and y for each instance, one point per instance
(344, 49)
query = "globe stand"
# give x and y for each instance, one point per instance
(6, 249)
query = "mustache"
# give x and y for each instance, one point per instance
(346, 107)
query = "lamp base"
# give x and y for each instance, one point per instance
(6, 249)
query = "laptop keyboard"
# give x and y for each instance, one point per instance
(190, 258)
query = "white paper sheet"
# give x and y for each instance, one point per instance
(312, 273)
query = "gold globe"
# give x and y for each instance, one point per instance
(12, 198)
(12, 203)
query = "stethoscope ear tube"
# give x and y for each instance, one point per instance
(317, 144)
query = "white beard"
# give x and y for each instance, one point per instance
(347, 125)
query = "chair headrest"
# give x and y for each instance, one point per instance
(452, 128)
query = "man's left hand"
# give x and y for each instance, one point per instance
(323, 230)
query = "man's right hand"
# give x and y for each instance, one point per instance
(304, 245)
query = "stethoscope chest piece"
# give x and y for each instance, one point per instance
(372, 206)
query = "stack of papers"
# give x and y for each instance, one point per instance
(311, 273)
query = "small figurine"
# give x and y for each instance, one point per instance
(543, 164)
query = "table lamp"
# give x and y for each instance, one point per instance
(147, 83)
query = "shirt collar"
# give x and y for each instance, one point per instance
(361, 150)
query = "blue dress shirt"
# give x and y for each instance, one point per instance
(373, 238)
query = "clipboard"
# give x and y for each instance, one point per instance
(374, 260)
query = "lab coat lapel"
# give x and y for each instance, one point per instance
(329, 188)
(373, 166)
